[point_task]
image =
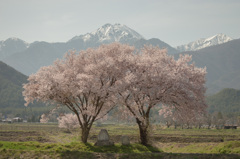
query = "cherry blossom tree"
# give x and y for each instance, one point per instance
(200, 120)
(44, 118)
(168, 115)
(68, 121)
(84, 82)
(153, 78)
(92, 82)
(171, 114)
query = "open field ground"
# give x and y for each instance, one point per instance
(34, 140)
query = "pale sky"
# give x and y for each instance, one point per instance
(175, 22)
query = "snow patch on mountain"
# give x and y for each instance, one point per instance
(11, 46)
(110, 33)
(15, 40)
(205, 42)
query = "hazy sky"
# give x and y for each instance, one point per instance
(175, 22)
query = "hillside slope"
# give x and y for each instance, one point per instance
(11, 99)
(11, 87)
(225, 101)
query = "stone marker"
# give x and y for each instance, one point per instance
(103, 139)
(103, 135)
(125, 140)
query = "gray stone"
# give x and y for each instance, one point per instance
(103, 135)
(125, 140)
(103, 139)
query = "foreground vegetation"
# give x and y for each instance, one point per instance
(27, 140)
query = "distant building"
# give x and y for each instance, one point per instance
(17, 119)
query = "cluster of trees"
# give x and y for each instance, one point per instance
(92, 82)
(30, 114)
(170, 117)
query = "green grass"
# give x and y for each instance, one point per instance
(70, 150)
(229, 147)
(47, 139)
(76, 146)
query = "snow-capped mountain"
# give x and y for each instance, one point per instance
(202, 43)
(110, 33)
(35, 55)
(12, 46)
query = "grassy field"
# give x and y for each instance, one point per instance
(34, 140)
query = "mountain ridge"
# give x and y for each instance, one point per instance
(222, 62)
(11, 46)
(40, 54)
(110, 33)
(204, 42)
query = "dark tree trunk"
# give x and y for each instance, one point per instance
(143, 130)
(199, 126)
(85, 132)
(143, 135)
(168, 124)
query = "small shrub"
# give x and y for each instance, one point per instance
(59, 149)
(235, 144)
(224, 150)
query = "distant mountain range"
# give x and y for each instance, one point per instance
(28, 58)
(219, 53)
(12, 46)
(204, 42)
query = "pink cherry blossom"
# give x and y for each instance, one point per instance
(85, 82)
(154, 78)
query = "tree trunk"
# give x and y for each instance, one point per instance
(209, 126)
(199, 126)
(168, 124)
(85, 133)
(143, 130)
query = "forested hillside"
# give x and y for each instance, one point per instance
(11, 87)
(226, 101)
(11, 99)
